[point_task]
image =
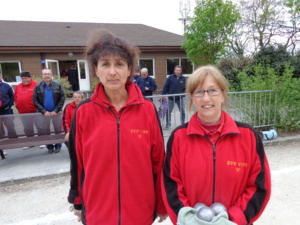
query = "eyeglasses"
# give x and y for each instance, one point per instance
(210, 92)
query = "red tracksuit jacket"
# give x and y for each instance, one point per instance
(67, 116)
(23, 97)
(233, 171)
(116, 160)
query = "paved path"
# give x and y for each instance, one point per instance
(43, 201)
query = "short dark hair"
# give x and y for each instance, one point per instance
(102, 42)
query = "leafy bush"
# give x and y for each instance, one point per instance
(67, 87)
(94, 84)
(231, 67)
(296, 64)
(286, 87)
(274, 56)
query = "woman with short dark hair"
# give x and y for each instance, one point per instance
(116, 144)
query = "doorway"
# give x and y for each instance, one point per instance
(82, 70)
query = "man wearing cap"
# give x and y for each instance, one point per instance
(24, 102)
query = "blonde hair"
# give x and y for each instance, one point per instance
(198, 77)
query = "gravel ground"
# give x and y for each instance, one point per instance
(43, 201)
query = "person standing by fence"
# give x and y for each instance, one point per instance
(149, 82)
(49, 99)
(138, 80)
(6, 102)
(68, 114)
(24, 102)
(175, 84)
(116, 162)
(213, 158)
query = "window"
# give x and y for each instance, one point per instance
(149, 64)
(10, 70)
(185, 63)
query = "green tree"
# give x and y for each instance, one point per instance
(274, 56)
(294, 6)
(264, 23)
(293, 26)
(208, 31)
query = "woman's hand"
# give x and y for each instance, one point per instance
(67, 136)
(78, 214)
(162, 217)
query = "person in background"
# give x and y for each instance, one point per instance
(175, 84)
(68, 114)
(213, 158)
(24, 102)
(72, 75)
(138, 80)
(49, 99)
(63, 73)
(116, 162)
(150, 84)
(6, 102)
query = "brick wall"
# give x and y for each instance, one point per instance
(32, 62)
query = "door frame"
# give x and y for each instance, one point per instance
(56, 73)
(84, 79)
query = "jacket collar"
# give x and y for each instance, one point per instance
(180, 76)
(134, 95)
(72, 104)
(229, 125)
(44, 83)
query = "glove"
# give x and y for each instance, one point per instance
(187, 216)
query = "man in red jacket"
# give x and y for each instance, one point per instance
(24, 103)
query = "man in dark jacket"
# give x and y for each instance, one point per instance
(49, 99)
(6, 102)
(175, 84)
(138, 80)
(72, 75)
(150, 84)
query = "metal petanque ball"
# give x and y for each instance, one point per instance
(205, 213)
(218, 207)
(199, 205)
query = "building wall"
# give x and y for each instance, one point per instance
(32, 62)
(29, 61)
(161, 66)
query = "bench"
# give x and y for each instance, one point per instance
(30, 129)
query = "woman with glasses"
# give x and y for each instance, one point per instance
(213, 158)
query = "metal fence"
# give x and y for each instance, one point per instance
(257, 108)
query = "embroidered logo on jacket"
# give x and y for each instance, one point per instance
(139, 132)
(237, 165)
